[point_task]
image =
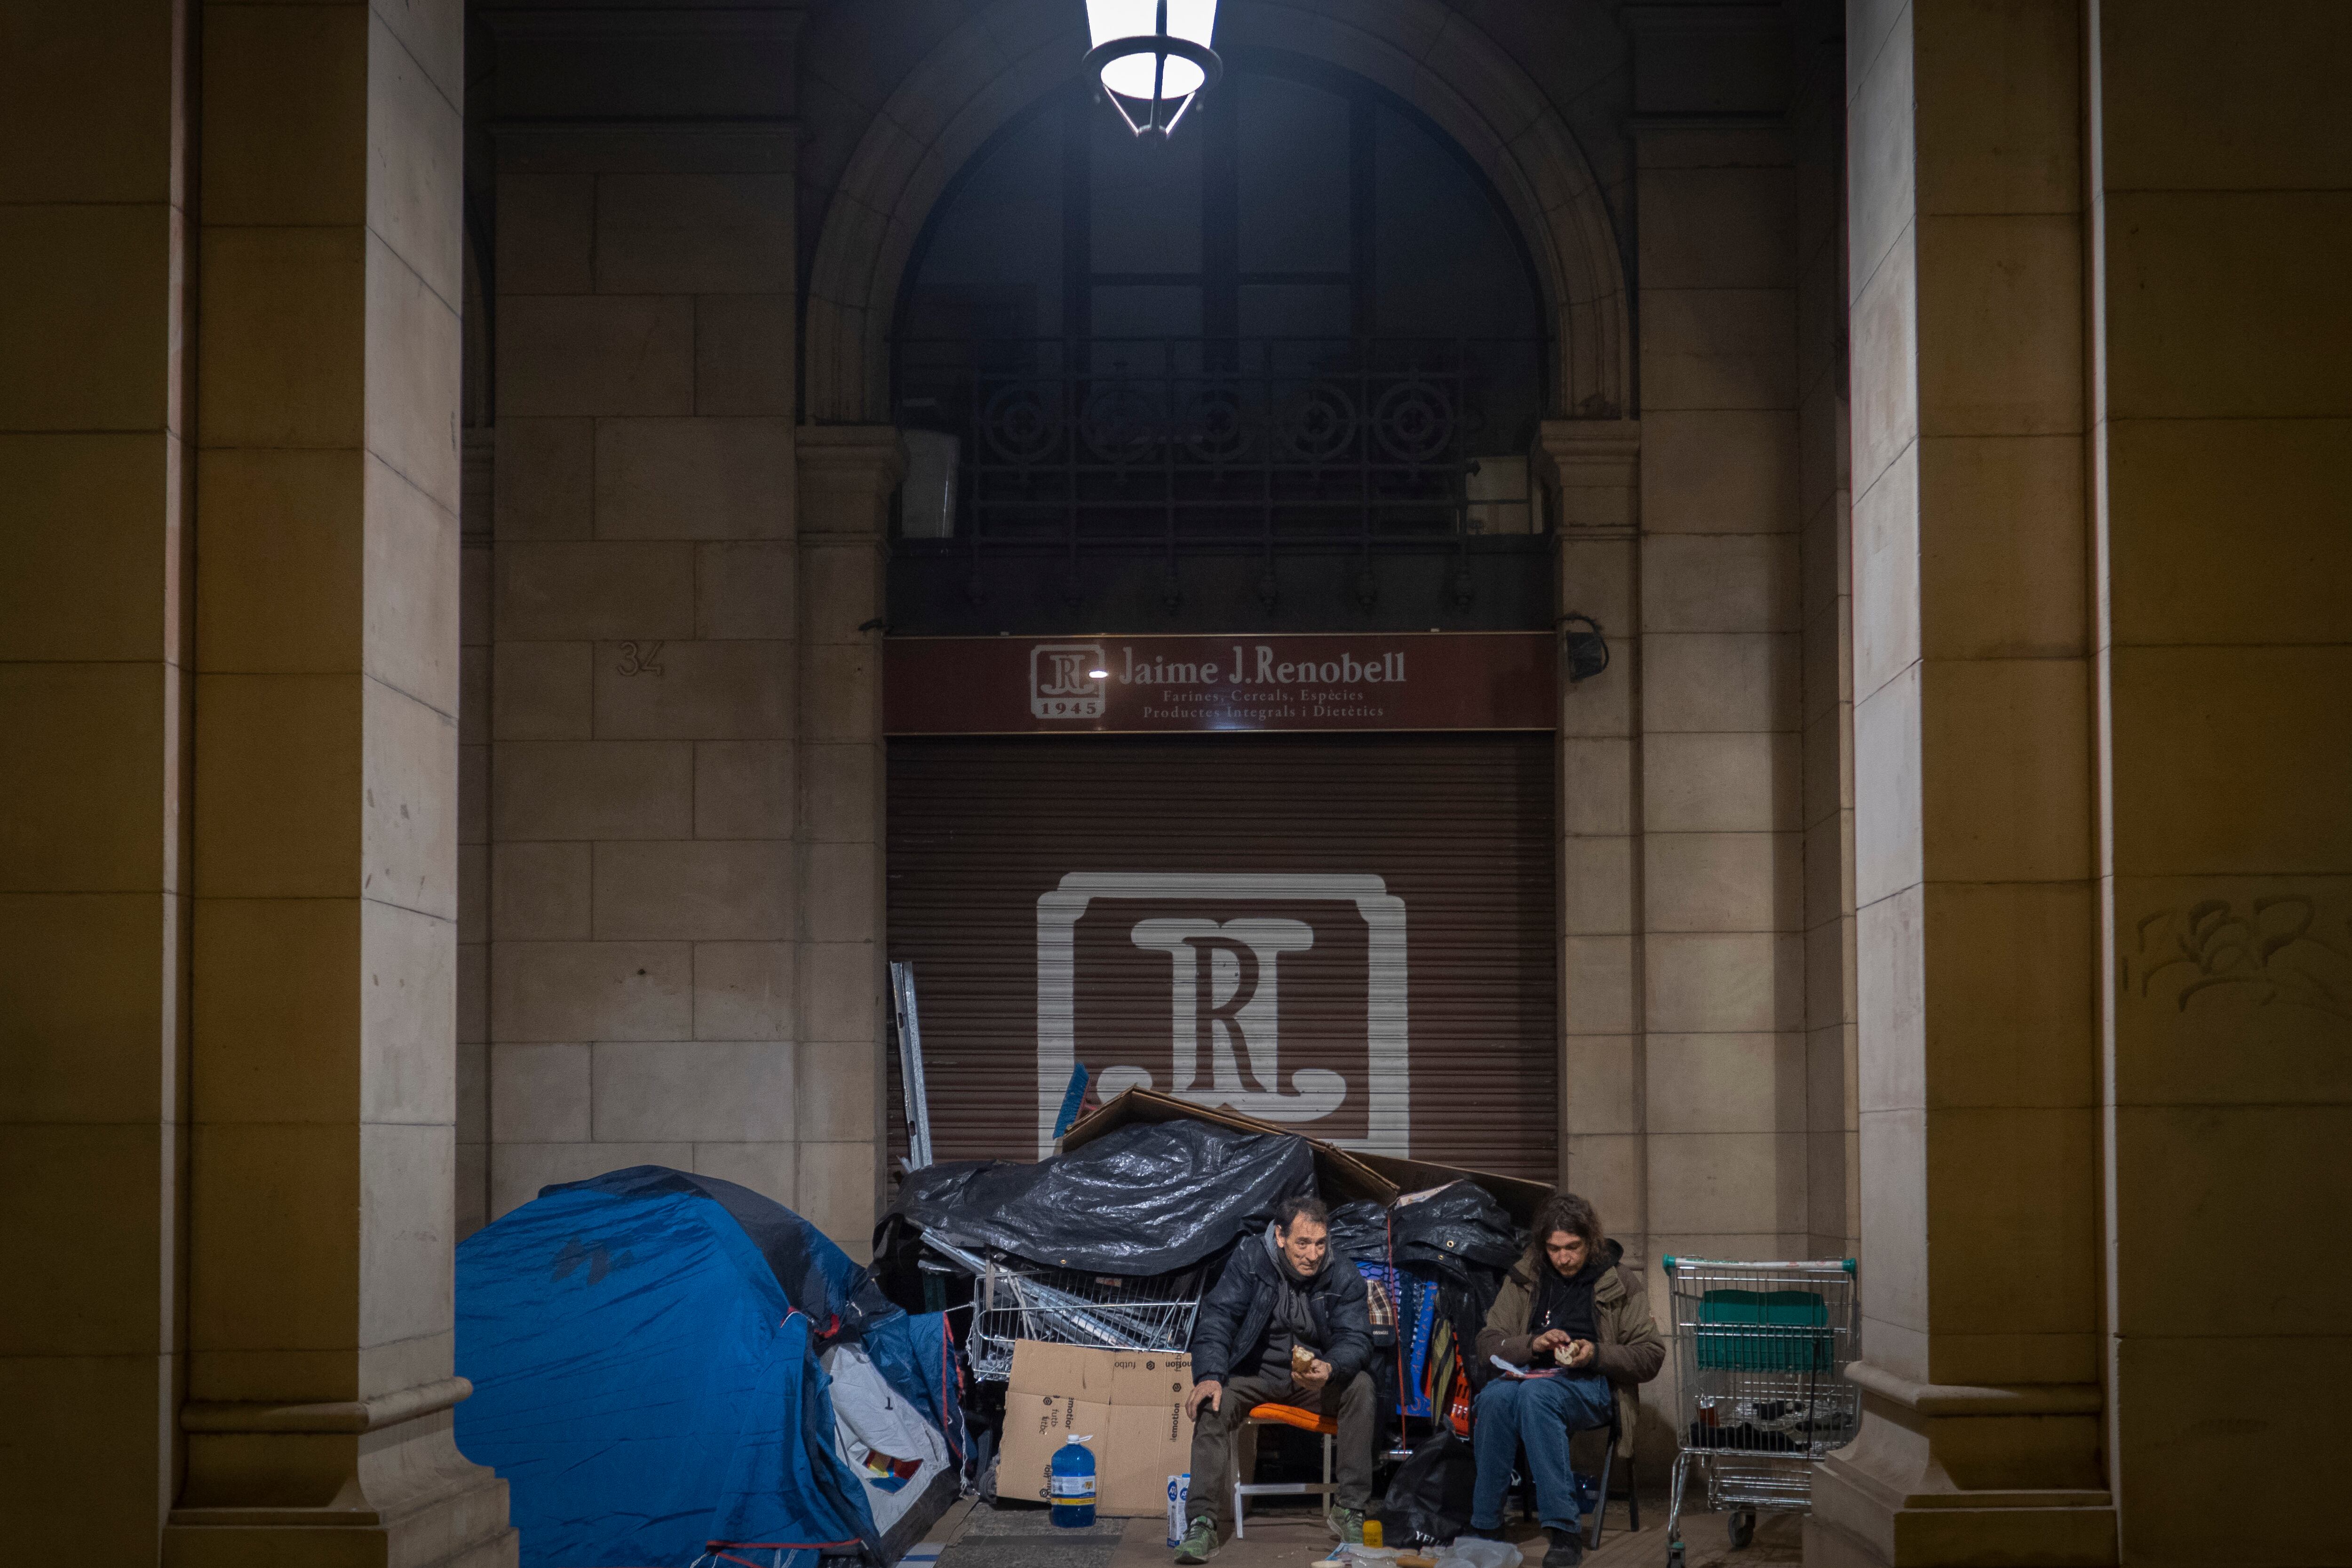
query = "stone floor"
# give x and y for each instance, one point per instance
(976, 1536)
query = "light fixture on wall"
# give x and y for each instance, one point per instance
(1582, 648)
(1153, 57)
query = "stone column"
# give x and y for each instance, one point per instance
(94, 578)
(2222, 204)
(319, 1281)
(848, 474)
(1973, 808)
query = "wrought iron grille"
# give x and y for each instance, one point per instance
(1189, 443)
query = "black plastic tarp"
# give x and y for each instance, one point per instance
(1142, 1199)
(1454, 1229)
(1361, 1231)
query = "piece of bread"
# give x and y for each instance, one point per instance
(1302, 1360)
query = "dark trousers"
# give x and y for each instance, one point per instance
(1214, 1438)
(1536, 1415)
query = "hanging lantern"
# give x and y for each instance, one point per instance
(1153, 57)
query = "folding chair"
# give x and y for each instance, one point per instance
(1326, 1426)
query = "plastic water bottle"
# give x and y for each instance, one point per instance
(1071, 1489)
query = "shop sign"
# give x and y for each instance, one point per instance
(1391, 680)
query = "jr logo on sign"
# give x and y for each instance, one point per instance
(1062, 684)
(1224, 999)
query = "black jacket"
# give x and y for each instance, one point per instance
(1231, 1328)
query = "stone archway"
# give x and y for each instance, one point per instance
(1005, 58)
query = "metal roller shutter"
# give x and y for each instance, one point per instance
(1354, 934)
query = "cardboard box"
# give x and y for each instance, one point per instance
(1128, 1404)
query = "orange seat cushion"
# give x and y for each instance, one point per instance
(1291, 1415)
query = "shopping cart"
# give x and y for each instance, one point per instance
(1015, 1300)
(1762, 1349)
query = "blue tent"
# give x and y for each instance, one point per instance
(645, 1350)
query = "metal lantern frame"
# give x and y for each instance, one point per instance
(1161, 45)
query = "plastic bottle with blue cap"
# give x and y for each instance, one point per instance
(1070, 1487)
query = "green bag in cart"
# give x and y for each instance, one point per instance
(1764, 1331)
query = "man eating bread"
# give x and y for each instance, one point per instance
(1285, 1324)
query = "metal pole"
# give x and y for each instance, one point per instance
(910, 1066)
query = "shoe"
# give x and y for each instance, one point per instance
(1200, 1543)
(1566, 1550)
(1347, 1526)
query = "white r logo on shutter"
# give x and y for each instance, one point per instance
(1223, 1008)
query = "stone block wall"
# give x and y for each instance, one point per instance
(680, 783)
(1722, 856)
(643, 906)
(1705, 985)
(1728, 1086)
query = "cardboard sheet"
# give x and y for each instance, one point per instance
(1128, 1404)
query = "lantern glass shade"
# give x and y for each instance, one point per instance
(1143, 75)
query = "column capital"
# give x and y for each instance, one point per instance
(1594, 466)
(878, 448)
(847, 473)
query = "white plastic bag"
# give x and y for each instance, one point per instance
(1471, 1551)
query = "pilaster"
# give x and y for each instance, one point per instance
(1590, 473)
(323, 1145)
(846, 476)
(1974, 777)
(96, 564)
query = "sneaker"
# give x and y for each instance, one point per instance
(1200, 1543)
(1347, 1525)
(1566, 1550)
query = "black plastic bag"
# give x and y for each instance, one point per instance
(1455, 1231)
(1361, 1231)
(1430, 1496)
(1145, 1198)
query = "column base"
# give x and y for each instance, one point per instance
(1948, 1477)
(365, 1484)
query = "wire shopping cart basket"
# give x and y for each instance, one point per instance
(1015, 1300)
(1762, 1350)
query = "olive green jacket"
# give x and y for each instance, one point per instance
(1627, 1350)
